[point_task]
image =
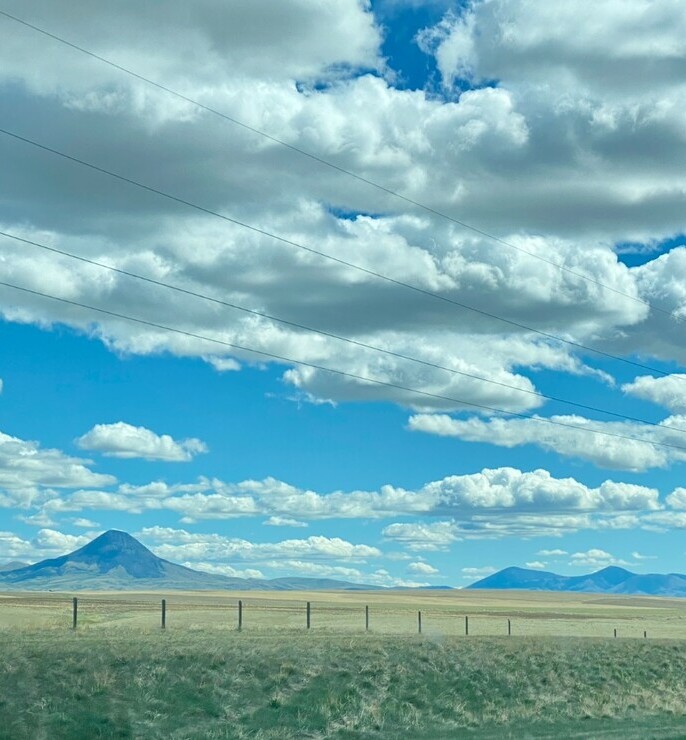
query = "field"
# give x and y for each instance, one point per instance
(560, 674)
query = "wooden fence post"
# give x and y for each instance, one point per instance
(466, 625)
(419, 622)
(240, 615)
(75, 612)
(615, 632)
(509, 627)
(309, 610)
(164, 613)
(366, 618)
(645, 634)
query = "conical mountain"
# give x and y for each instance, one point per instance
(111, 550)
(113, 560)
(117, 561)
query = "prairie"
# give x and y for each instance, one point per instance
(560, 674)
(343, 612)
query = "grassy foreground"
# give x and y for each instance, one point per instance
(205, 684)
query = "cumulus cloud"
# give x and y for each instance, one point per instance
(29, 473)
(126, 441)
(456, 153)
(552, 553)
(46, 544)
(223, 569)
(179, 544)
(84, 523)
(477, 573)
(536, 565)
(422, 536)
(595, 558)
(668, 391)
(283, 521)
(631, 449)
(637, 556)
(677, 498)
(421, 568)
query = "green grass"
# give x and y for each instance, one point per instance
(210, 684)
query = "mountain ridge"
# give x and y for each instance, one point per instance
(609, 580)
(115, 560)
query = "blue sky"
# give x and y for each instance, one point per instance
(510, 116)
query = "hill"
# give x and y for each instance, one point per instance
(117, 561)
(12, 565)
(610, 580)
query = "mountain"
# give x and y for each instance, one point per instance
(610, 580)
(12, 565)
(117, 561)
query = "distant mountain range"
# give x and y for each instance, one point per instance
(12, 565)
(117, 561)
(611, 580)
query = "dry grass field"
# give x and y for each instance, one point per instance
(561, 674)
(343, 612)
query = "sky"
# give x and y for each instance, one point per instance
(391, 292)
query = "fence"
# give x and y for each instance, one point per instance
(179, 612)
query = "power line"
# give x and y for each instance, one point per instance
(331, 165)
(348, 340)
(325, 255)
(342, 373)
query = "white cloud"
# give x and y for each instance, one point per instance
(631, 450)
(223, 569)
(283, 521)
(421, 536)
(482, 572)
(536, 565)
(492, 504)
(421, 568)
(181, 545)
(84, 523)
(595, 558)
(552, 553)
(28, 472)
(677, 499)
(637, 556)
(127, 441)
(48, 543)
(408, 140)
(668, 391)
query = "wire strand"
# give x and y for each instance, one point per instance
(338, 337)
(325, 255)
(332, 165)
(342, 373)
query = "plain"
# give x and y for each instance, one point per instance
(560, 673)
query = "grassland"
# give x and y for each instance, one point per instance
(120, 676)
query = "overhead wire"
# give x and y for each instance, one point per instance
(327, 163)
(342, 373)
(326, 255)
(332, 335)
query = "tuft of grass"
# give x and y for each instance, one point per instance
(205, 684)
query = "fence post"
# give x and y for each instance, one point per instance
(240, 615)
(615, 632)
(419, 622)
(75, 612)
(509, 627)
(309, 610)
(645, 634)
(164, 613)
(466, 625)
(366, 618)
